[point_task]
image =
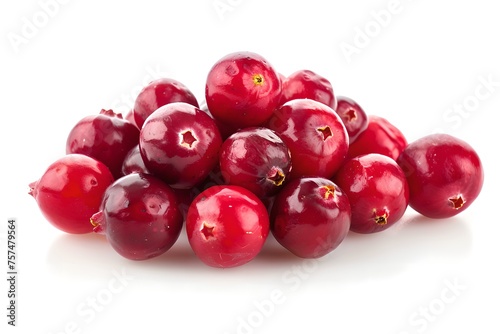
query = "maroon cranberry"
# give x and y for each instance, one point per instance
(315, 135)
(70, 191)
(310, 217)
(256, 159)
(227, 226)
(379, 137)
(106, 137)
(179, 143)
(353, 117)
(129, 117)
(242, 89)
(306, 84)
(158, 93)
(139, 217)
(444, 173)
(133, 162)
(377, 190)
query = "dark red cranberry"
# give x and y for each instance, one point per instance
(133, 162)
(70, 191)
(256, 159)
(306, 84)
(129, 117)
(444, 173)
(242, 89)
(353, 117)
(315, 135)
(139, 216)
(158, 93)
(310, 217)
(379, 137)
(377, 190)
(106, 137)
(227, 226)
(180, 144)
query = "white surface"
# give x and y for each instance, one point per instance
(92, 55)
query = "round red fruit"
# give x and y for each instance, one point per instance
(353, 117)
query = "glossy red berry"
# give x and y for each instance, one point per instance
(310, 217)
(444, 173)
(106, 137)
(377, 190)
(227, 226)
(133, 162)
(70, 191)
(353, 116)
(139, 216)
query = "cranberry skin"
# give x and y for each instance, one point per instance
(139, 216)
(444, 173)
(106, 137)
(180, 144)
(256, 159)
(70, 191)
(315, 135)
(380, 137)
(227, 226)
(306, 84)
(353, 116)
(158, 93)
(129, 117)
(133, 162)
(311, 217)
(377, 190)
(242, 89)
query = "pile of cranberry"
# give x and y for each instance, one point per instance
(266, 153)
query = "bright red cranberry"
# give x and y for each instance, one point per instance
(158, 93)
(242, 89)
(310, 217)
(70, 191)
(353, 117)
(379, 137)
(444, 173)
(106, 137)
(315, 135)
(256, 159)
(133, 162)
(377, 190)
(139, 216)
(227, 226)
(306, 84)
(129, 117)
(180, 144)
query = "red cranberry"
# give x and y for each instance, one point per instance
(444, 173)
(242, 89)
(139, 216)
(158, 93)
(256, 159)
(377, 190)
(310, 217)
(133, 162)
(315, 135)
(379, 137)
(306, 84)
(353, 117)
(70, 191)
(180, 144)
(106, 137)
(227, 226)
(129, 117)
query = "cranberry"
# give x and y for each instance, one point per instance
(106, 137)
(379, 137)
(139, 217)
(133, 162)
(70, 191)
(444, 173)
(353, 117)
(242, 89)
(310, 217)
(129, 117)
(180, 144)
(256, 159)
(377, 190)
(227, 226)
(306, 84)
(158, 93)
(315, 135)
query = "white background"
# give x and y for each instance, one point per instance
(417, 68)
